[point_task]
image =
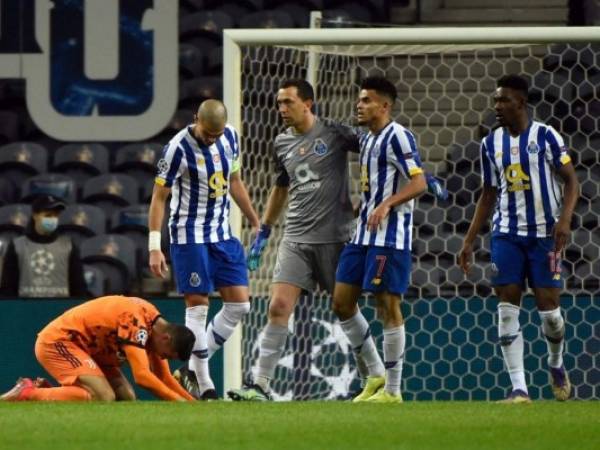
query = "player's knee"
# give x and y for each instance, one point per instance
(279, 309)
(342, 310)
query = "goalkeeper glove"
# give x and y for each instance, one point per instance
(257, 247)
(435, 187)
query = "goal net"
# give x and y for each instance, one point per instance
(445, 87)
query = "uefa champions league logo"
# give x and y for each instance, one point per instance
(42, 262)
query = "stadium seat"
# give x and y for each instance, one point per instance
(193, 92)
(253, 5)
(81, 161)
(114, 255)
(205, 24)
(111, 191)
(95, 281)
(8, 192)
(346, 17)
(81, 221)
(9, 127)
(267, 19)
(377, 9)
(56, 184)
(138, 161)
(312, 5)
(14, 219)
(215, 62)
(191, 61)
(299, 13)
(132, 221)
(20, 160)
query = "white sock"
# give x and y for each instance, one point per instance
(195, 320)
(222, 326)
(270, 350)
(511, 342)
(553, 327)
(394, 340)
(358, 333)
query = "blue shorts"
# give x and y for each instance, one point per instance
(375, 269)
(519, 258)
(200, 268)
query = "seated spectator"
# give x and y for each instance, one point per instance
(43, 263)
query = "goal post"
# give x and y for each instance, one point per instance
(445, 78)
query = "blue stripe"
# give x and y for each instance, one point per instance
(485, 165)
(220, 340)
(529, 200)
(225, 168)
(366, 196)
(512, 203)
(491, 149)
(174, 167)
(399, 155)
(392, 228)
(232, 141)
(390, 364)
(190, 222)
(175, 221)
(407, 217)
(381, 177)
(554, 148)
(210, 199)
(202, 354)
(541, 141)
(413, 148)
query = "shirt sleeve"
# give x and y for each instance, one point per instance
(169, 167)
(237, 158)
(160, 367)
(133, 328)
(282, 178)
(488, 174)
(405, 154)
(558, 155)
(350, 137)
(143, 376)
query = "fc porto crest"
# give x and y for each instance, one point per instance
(320, 147)
(195, 279)
(533, 148)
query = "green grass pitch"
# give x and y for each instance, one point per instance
(300, 425)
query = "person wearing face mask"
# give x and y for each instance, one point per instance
(42, 263)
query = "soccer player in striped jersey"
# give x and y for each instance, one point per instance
(522, 162)
(200, 169)
(378, 257)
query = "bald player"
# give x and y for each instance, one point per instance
(200, 169)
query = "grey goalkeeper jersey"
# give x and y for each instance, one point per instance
(315, 168)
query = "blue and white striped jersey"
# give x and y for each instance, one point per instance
(199, 178)
(387, 162)
(523, 168)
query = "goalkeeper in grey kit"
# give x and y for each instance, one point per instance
(311, 159)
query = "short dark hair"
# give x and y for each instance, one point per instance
(183, 340)
(381, 85)
(516, 82)
(304, 88)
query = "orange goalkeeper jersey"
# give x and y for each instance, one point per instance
(102, 326)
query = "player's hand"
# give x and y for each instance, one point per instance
(257, 247)
(377, 217)
(158, 264)
(465, 257)
(435, 187)
(561, 232)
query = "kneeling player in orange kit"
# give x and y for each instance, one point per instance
(83, 349)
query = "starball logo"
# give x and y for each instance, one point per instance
(95, 70)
